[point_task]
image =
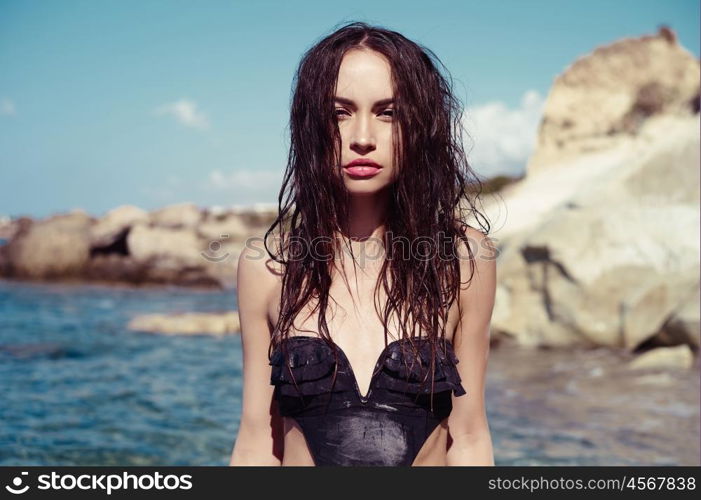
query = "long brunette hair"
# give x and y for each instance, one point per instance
(434, 191)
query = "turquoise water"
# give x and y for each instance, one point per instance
(79, 388)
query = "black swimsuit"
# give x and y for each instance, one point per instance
(389, 425)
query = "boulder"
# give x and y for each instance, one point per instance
(611, 92)
(58, 247)
(678, 357)
(188, 323)
(180, 215)
(610, 265)
(600, 246)
(109, 228)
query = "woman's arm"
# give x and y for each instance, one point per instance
(468, 427)
(260, 435)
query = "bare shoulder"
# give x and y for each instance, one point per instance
(481, 245)
(257, 273)
(479, 260)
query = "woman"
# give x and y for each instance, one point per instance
(366, 334)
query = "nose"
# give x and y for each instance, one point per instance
(363, 138)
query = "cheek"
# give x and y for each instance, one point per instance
(343, 144)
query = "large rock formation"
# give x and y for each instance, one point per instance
(178, 244)
(611, 92)
(600, 241)
(55, 248)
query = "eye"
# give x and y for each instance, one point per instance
(388, 110)
(339, 111)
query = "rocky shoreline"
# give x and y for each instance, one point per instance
(600, 245)
(181, 244)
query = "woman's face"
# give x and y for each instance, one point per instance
(364, 112)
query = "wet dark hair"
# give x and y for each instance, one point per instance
(435, 188)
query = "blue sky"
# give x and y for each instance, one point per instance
(105, 103)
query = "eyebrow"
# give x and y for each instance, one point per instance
(349, 102)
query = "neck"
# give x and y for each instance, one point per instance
(366, 216)
(366, 226)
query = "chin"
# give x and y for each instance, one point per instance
(365, 187)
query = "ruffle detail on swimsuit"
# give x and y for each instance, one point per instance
(404, 374)
(309, 370)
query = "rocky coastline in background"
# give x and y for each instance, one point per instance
(599, 247)
(180, 244)
(601, 239)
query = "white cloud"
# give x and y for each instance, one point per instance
(7, 107)
(186, 112)
(502, 139)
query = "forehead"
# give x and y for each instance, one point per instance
(364, 75)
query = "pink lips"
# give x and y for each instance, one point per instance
(362, 168)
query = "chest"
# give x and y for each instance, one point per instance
(354, 316)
